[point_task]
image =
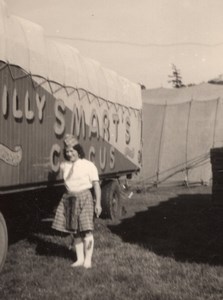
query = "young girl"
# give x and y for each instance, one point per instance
(75, 212)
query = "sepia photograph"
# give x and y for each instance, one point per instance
(111, 150)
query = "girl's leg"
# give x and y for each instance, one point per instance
(88, 249)
(79, 247)
(71, 241)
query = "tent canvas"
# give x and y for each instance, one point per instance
(180, 126)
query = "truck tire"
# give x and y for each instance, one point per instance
(3, 241)
(111, 200)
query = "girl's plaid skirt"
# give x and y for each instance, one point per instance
(75, 213)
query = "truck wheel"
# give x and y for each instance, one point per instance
(3, 241)
(111, 200)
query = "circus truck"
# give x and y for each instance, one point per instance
(48, 89)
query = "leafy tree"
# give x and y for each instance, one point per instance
(176, 78)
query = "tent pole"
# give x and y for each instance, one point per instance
(187, 137)
(215, 121)
(160, 143)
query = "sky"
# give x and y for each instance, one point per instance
(140, 40)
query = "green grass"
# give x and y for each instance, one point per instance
(168, 246)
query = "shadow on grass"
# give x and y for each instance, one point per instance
(28, 224)
(187, 227)
(23, 212)
(48, 248)
(36, 232)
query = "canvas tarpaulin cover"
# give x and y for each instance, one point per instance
(180, 126)
(24, 44)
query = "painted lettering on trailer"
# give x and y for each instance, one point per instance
(17, 111)
(100, 126)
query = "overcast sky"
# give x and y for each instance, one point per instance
(141, 39)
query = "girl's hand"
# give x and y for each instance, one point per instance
(98, 210)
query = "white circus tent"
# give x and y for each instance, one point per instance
(180, 126)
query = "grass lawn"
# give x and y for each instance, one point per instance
(168, 245)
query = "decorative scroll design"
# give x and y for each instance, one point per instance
(11, 157)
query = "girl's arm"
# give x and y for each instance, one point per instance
(97, 190)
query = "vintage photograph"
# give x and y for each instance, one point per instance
(111, 150)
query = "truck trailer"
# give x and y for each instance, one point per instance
(48, 89)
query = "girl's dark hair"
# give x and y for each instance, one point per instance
(79, 150)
